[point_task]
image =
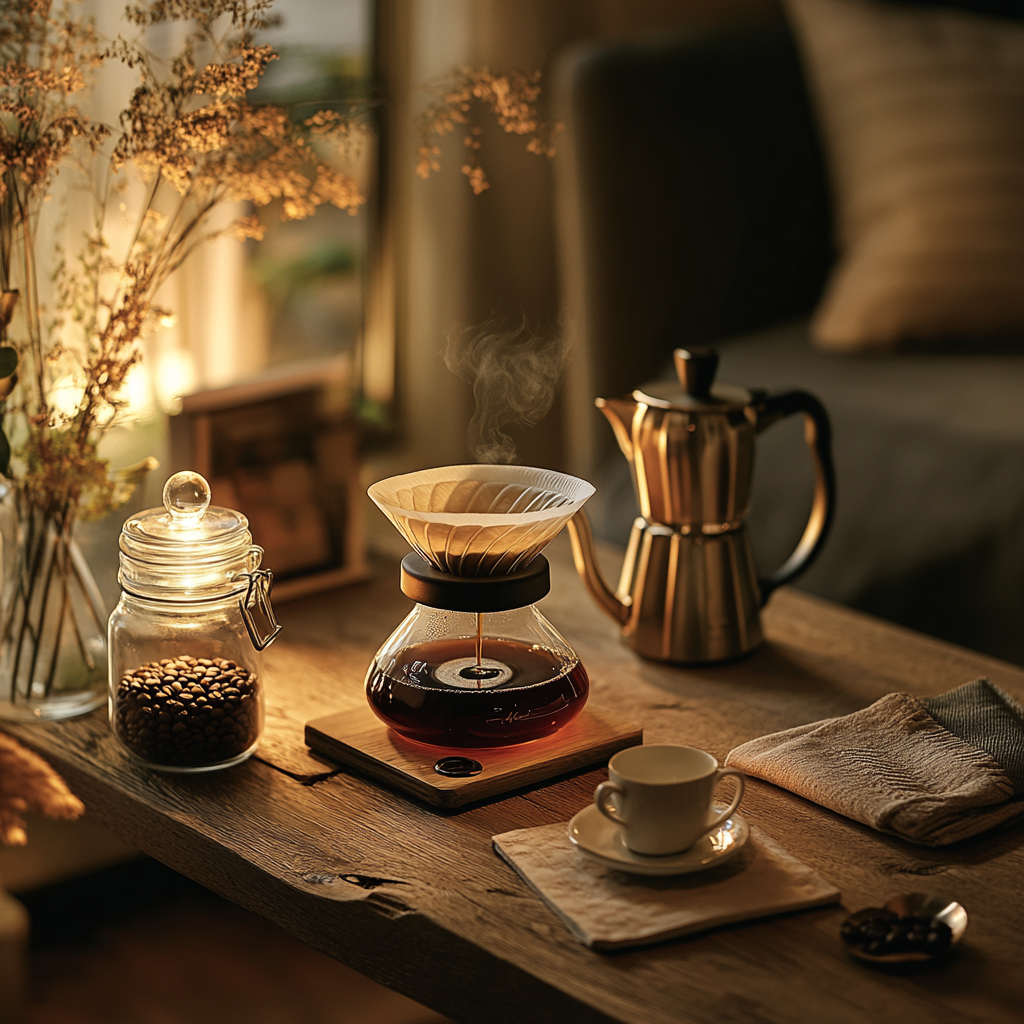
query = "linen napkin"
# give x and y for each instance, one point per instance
(932, 770)
(608, 909)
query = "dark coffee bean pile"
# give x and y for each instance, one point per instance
(879, 932)
(186, 712)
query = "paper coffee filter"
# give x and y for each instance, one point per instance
(480, 520)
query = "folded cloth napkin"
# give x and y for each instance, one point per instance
(932, 770)
(607, 909)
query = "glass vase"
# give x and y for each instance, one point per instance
(53, 648)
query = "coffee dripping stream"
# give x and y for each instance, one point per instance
(476, 663)
(480, 670)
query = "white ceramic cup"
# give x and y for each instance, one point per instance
(661, 796)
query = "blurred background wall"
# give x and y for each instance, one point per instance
(462, 259)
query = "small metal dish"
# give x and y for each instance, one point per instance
(917, 904)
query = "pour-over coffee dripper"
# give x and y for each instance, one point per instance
(475, 664)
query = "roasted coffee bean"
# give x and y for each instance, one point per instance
(879, 932)
(871, 917)
(175, 712)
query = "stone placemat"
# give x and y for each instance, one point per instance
(608, 909)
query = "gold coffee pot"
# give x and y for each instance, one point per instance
(688, 591)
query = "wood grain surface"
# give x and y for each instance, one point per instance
(419, 900)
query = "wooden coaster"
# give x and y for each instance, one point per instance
(358, 738)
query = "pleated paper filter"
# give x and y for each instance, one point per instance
(480, 520)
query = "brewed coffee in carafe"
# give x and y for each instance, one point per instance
(476, 664)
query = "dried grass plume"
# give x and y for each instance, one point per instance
(28, 783)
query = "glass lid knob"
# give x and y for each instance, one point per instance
(186, 498)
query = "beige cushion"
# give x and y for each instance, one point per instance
(923, 117)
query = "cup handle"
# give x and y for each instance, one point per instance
(601, 798)
(741, 782)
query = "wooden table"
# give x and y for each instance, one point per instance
(420, 902)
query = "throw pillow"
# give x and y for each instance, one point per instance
(922, 110)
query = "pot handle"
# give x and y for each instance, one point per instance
(818, 435)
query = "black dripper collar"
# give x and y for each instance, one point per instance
(429, 586)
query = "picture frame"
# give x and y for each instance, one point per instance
(282, 449)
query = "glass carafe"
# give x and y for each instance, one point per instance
(470, 679)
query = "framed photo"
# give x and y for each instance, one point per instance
(283, 451)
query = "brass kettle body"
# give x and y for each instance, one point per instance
(688, 591)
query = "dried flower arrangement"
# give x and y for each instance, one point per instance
(197, 142)
(28, 783)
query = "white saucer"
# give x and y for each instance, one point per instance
(601, 840)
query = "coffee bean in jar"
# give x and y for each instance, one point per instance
(188, 712)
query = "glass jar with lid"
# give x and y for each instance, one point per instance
(186, 638)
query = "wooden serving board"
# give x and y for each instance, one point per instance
(358, 738)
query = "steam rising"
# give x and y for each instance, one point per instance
(514, 374)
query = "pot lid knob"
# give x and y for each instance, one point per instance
(696, 368)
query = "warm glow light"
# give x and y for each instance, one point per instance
(138, 393)
(175, 376)
(170, 320)
(67, 395)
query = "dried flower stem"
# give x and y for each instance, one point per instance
(50, 564)
(511, 98)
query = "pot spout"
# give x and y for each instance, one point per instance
(619, 413)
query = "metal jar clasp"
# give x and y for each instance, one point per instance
(262, 627)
